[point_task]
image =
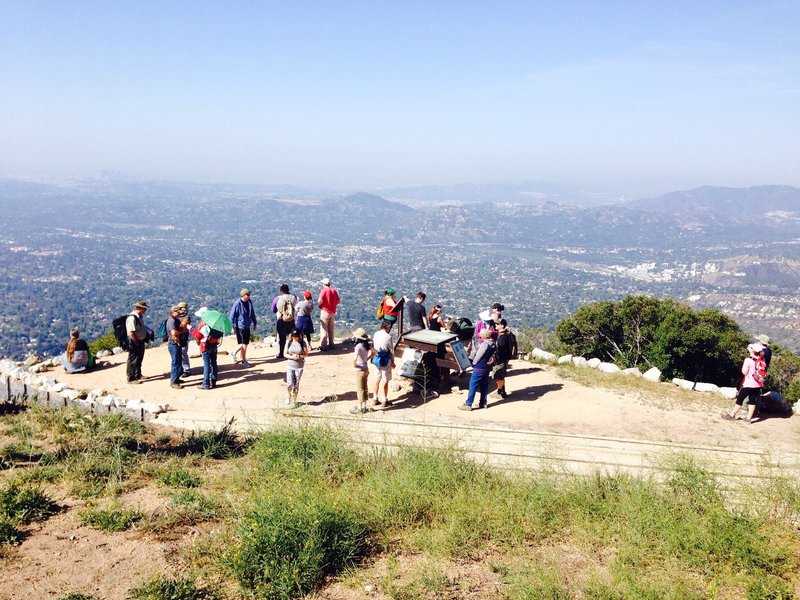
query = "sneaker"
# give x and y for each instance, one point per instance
(748, 420)
(502, 393)
(176, 386)
(234, 355)
(358, 410)
(134, 382)
(481, 406)
(727, 416)
(466, 407)
(385, 403)
(245, 364)
(205, 387)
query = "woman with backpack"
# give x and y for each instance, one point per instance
(754, 370)
(482, 362)
(390, 307)
(304, 310)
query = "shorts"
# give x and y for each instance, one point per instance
(499, 371)
(383, 373)
(242, 336)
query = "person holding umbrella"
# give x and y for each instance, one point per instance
(208, 333)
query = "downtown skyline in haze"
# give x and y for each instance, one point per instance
(620, 97)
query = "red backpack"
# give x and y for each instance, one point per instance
(760, 373)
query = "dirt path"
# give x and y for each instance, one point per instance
(545, 418)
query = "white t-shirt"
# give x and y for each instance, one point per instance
(360, 355)
(382, 341)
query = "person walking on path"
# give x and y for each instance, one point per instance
(243, 316)
(328, 301)
(296, 351)
(481, 365)
(383, 361)
(137, 333)
(283, 305)
(417, 314)
(362, 353)
(304, 310)
(176, 327)
(754, 370)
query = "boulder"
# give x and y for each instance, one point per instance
(56, 387)
(106, 401)
(579, 361)
(33, 359)
(133, 404)
(728, 392)
(633, 371)
(153, 408)
(608, 367)
(706, 387)
(543, 354)
(683, 383)
(567, 358)
(71, 394)
(117, 350)
(653, 374)
(103, 353)
(593, 362)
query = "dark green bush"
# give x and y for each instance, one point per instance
(288, 546)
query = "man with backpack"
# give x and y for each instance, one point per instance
(177, 326)
(137, 336)
(284, 308)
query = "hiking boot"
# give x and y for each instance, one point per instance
(358, 410)
(176, 386)
(466, 407)
(205, 387)
(481, 406)
(727, 416)
(245, 364)
(502, 393)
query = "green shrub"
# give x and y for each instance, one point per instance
(76, 596)
(25, 504)
(287, 546)
(9, 534)
(105, 342)
(110, 521)
(176, 476)
(222, 444)
(163, 588)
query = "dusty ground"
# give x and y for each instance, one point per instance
(540, 400)
(60, 555)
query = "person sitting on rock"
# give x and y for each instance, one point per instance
(76, 357)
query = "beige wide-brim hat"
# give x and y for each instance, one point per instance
(360, 334)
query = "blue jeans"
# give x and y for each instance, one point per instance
(478, 381)
(210, 366)
(176, 366)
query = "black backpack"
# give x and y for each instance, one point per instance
(512, 342)
(121, 332)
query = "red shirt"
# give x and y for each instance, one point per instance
(328, 299)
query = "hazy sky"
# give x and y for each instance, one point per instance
(632, 97)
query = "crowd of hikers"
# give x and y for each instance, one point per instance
(490, 343)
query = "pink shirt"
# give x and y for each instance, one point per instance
(748, 370)
(328, 299)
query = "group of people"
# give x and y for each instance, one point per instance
(294, 326)
(490, 350)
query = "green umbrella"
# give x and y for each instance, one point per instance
(217, 320)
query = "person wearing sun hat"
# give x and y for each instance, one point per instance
(305, 323)
(362, 353)
(137, 332)
(183, 313)
(764, 340)
(754, 370)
